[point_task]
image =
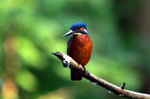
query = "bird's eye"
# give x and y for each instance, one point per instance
(76, 29)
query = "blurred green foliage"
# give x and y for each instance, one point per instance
(30, 30)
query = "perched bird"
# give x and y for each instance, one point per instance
(79, 47)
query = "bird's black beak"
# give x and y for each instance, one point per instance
(69, 33)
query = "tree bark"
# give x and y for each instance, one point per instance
(121, 91)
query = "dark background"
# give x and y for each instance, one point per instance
(30, 30)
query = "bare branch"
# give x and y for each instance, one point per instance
(121, 91)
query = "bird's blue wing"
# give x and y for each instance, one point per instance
(68, 44)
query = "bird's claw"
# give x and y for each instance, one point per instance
(81, 71)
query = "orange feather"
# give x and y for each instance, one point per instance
(79, 48)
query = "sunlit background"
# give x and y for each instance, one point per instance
(30, 30)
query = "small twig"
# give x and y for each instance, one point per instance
(123, 85)
(121, 91)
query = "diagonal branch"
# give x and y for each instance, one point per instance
(121, 91)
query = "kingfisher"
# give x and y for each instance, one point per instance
(79, 47)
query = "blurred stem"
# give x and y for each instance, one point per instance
(11, 61)
(9, 88)
(143, 20)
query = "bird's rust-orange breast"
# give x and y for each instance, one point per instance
(79, 48)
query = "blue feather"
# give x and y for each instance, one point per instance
(68, 43)
(78, 25)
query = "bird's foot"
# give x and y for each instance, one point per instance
(82, 71)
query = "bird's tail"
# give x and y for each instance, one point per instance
(75, 74)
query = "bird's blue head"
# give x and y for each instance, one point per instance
(77, 28)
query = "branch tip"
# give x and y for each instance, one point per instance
(59, 55)
(56, 53)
